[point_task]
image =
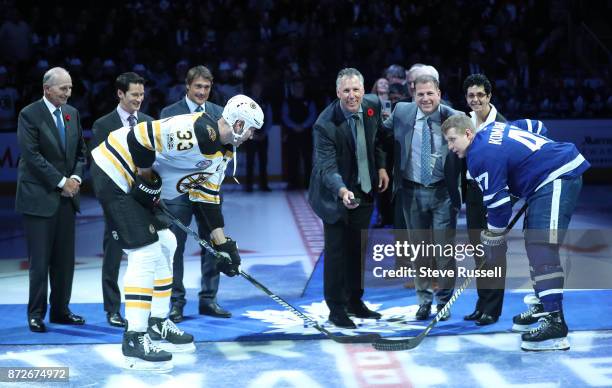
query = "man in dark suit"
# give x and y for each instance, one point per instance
(426, 181)
(478, 91)
(130, 91)
(49, 178)
(348, 166)
(198, 83)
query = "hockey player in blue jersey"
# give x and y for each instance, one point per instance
(505, 160)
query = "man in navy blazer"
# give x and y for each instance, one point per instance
(348, 167)
(198, 83)
(429, 199)
(49, 176)
(130, 92)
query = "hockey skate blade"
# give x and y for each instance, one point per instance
(522, 328)
(176, 348)
(551, 344)
(134, 363)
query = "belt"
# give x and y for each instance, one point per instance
(410, 184)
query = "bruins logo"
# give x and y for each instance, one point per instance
(211, 133)
(193, 181)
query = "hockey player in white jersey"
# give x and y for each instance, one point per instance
(131, 170)
(505, 159)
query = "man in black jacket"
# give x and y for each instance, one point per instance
(130, 91)
(348, 167)
(48, 184)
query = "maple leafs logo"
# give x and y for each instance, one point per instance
(394, 319)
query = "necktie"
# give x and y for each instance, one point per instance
(132, 121)
(199, 108)
(362, 156)
(425, 154)
(60, 127)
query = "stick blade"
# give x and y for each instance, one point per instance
(390, 345)
(357, 339)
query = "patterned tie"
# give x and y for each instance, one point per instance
(425, 154)
(362, 156)
(199, 108)
(60, 127)
(132, 121)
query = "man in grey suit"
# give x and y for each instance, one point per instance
(198, 83)
(53, 155)
(426, 181)
(348, 167)
(130, 91)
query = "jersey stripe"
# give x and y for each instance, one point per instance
(142, 136)
(124, 164)
(157, 134)
(117, 163)
(122, 151)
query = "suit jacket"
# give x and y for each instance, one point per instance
(400, 125)
(103, 126)
(180, 108)
(335, 162)
(43, 161)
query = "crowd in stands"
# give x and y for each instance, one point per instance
(525, 47)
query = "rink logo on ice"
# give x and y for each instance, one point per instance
(284, 322)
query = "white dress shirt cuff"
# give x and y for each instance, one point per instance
(62, 183)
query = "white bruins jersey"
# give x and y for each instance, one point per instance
(188, 162)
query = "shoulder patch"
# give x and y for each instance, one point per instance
(212, 135)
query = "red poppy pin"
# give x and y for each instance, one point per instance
(370, 112)
(67, 117)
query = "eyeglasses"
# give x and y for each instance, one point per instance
(479, 95)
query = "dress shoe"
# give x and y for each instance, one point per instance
(362, 311)
(214, 310)
(423, 312)
(446, 315)
(340, 319)
(486, 319)
(176, 313)
(37, 325)
(67, 319)
(115, 319)
(473, 316)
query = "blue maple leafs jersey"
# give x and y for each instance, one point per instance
(506, 159)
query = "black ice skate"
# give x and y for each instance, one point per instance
(550, 335)
(169, 337)
(142, 354)
(523, 321)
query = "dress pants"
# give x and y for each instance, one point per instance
(344, 248)
(110, 272)
(490, 290)
(184, 209)
(50, 243)
(430, 218)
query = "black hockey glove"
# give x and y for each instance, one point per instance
(229, 264)
(147, 192)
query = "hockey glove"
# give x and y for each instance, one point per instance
(229, 264)
(494, 246)
(147, 193)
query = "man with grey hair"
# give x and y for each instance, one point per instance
(426, 183)
(349, 165)
(48, 184)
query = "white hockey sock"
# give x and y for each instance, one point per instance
(163, 275)
(138, 284)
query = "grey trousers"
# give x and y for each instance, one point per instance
(430, 219)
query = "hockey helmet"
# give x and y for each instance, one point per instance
(241, 107)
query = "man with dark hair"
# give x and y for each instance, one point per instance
(198, 83)
(48, 184)
(130, 92)
(348, 167)
(426, 183)
(477, 89)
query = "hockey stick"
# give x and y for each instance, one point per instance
(411, 343)
(357, 339)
